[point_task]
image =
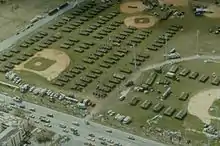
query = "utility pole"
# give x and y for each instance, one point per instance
(77, 3)
(135, 63)
(197, 42)
(109, 41)
(166, 47)
(217, 115)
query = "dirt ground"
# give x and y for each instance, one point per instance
(132, 7)
(14, 14)
(130, 21)
(215, 11)
(175, 2)
(61, 58)
(200, 104)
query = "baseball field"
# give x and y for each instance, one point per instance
(94, 50)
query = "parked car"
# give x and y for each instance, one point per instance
(62, 125)
(32, 109)
(50, 115)
(131, 138)
(75, 123)
(48, 125)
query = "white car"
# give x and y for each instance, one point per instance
(65, 130)
(110, 141)
(62, 125)
(17, 99)
(91, 139)
(36, 121)
(75, 123)
(32, 116)
(48, 125)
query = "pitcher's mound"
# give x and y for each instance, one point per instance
(132, 7)
(175, 2)
(215, 11)
(143, 21)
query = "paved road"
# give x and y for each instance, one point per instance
(11, 41)
(84, 130)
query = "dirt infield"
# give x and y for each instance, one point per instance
(132, 7)
(61, 62)
(215, 11)
(200, 103)
(143, 21)
(175, 2)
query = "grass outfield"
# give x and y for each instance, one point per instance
(39, 63)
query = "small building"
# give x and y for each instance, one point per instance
(119, 76)
(166, 93)
(134, 101)
(169, 111)
(170, 75)
(181, 114)
(173, 69)
(81, 105)
(203, 78)
(151, 79)
(215, 81)
(184, 96)
(184, 72)
(146, 104)
(158, 107)
(193, 75)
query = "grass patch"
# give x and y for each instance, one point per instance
(39, 64)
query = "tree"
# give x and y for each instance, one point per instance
(19, 113)
(44, 136)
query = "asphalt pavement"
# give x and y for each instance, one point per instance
(98, 130)
(11, 41)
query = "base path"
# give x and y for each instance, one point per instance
(132, 7)
(200, 103)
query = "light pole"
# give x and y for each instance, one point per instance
(166, 47)
(135, 63)
(109, 41)
(77, 3)
(217, 115)
(197, 42)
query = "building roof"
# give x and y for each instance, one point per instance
(7, 133)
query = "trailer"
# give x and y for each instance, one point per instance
(62, 6)
(53, 11)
